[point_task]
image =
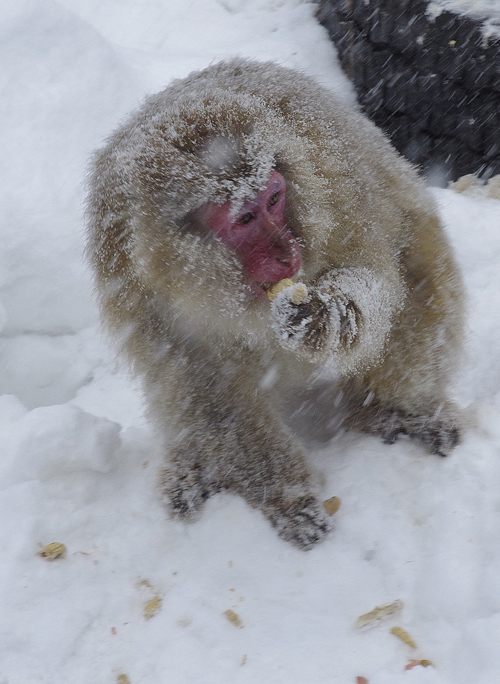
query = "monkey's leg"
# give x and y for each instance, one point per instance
(437, 426)
(274, 478)
(406, 394)
(228, 438)
(407, 391)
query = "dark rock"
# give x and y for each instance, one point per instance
(432, 85)
(380, 32)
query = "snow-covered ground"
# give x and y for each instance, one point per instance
(78, 460)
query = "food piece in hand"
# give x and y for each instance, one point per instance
(299, 292)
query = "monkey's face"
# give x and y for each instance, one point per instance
(256, 233)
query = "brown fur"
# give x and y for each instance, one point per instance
(224, 373)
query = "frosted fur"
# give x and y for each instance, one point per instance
(369, 326)
(229, 377)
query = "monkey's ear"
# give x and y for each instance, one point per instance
(193, 223)
(282, 167)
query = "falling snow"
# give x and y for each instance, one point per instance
(79, 460)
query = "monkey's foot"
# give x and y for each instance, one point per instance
(187, 492)
(441, 436)
(302, 522)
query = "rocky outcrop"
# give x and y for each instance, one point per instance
(432, 84)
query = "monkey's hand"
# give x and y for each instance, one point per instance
(186, 487)
(325, 316)
(301, 521)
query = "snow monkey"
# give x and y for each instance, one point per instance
(224, 184)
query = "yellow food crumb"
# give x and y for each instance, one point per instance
(416, 663)
(146, 583)
(152, 607)
(379, 612)
(233, 617)
(299, 293)
(332, 505)
(274, 291)
(122, 679)
(53, 551)
(404, 636)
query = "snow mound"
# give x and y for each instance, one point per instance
(55, 440)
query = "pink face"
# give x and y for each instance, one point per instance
(266, 248)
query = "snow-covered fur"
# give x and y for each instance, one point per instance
(221, 368)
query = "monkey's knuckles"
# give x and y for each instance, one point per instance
(302, 522)
(290, 320)
(185, 492)
(324, 318)
(349, 323)
(440, 436)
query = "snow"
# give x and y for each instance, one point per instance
(485, 11)
(79, 461)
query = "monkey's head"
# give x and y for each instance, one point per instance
(202, 204)
(257, 234)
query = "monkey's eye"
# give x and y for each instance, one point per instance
(274, 199)
(246, 218)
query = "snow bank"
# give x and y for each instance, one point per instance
(62, 87)
(52, 441)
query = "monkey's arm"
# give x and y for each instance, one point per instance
(228, 437)
(347, 316)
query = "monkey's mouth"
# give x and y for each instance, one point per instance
(261, 289)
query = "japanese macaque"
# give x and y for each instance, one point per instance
(221, 186)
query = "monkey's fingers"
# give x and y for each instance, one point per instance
(349, 322)
(310, 320)
(186, 492)
(441, 437)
